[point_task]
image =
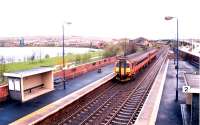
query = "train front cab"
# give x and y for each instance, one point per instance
(123, 70)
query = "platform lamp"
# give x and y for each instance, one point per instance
(170, 18)
(177, 52)
(124, 47)
(63, 51)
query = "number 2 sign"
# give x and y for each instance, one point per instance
(186, 89)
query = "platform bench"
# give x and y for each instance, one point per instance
(38, 86)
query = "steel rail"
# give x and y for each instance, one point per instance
(140, 103)
(99, 96)
(148, 89)
(130, 91)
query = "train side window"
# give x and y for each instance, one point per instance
(117, 65)
(127, 65)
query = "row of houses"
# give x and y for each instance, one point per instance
(74, 41)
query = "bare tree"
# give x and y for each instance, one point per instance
(33, 57)
(2, 67)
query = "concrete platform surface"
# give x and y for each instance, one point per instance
(13, 110)
(169, 110)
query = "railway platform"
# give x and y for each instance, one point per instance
(190, 56)
(169, 112)
(12, 110)
(160, 107)
(190, 110)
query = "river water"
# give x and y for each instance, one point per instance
(19, 54)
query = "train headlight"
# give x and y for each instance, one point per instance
(117, 70)
(128, 70)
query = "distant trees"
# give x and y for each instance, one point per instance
(47, 56)
(86, 57)
(82, 58)
(31, 58)
(112, 50)
(78, 58)
(131, 48)
(123, 46)
(2, 68)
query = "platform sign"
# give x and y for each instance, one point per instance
(11, 84)
(186, 89)
(17, 85)
(14, 84)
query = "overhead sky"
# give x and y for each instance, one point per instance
(100, 18)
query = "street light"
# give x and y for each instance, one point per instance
(125, 47)
(63, 49)
(177, 52)
(170, 18)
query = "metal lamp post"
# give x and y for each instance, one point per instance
(63, 52)
(177, 53)
(125, 47)
(169, 18)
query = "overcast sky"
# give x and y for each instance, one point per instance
(100, 18)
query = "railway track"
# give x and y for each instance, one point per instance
(127, 113)
(119, 104)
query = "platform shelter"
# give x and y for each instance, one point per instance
(192, 91)
(28, 84)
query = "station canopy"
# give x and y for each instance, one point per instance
(25, 73)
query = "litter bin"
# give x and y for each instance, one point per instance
(99, 70)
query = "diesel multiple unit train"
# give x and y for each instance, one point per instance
(126, 67)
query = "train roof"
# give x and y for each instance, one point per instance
(136, 57)
(142, 56)
(130, 56)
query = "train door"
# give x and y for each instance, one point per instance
(122, 68)
(120, 65)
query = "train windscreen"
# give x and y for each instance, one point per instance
(122, 64)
